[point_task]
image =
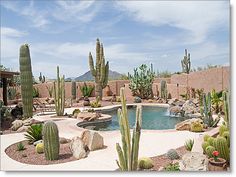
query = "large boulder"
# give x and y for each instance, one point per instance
(194, 161)
(189, 108)
(22, 129)
(92, 139)
(27, 122)
(186, 125)
(78, 148)
(16, 125)
(175, 110)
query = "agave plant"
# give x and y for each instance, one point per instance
(86, 90)
(34, 133)
(216, 100)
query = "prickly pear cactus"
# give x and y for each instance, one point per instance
(26, 78)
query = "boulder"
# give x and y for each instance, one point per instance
(172, 101)
(186, 125)
(194, 161)
(16, 125)
(78, 148)
(37, 142)
(89, 116)
(63, 140)
(174, 110)
(189, 108)
(22, 129)
(27, 122)
(92, 139)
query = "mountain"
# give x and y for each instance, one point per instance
(113, 75)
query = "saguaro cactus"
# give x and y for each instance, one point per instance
(26, 81)
(186, 63)
(163, 89)
(51, 140)
(100, 71)
(226, 108)
(128, 154)
(59, 93)
(207, 113)
(73, 90)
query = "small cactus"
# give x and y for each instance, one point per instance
(196, 127)
(186, 63)
(145, 163)
(172, 154)
(204, 146)
(39, 148)
(209, 150)
(226, 135)
(221, 146)
(164, 90)
(210, 140)
(222, 129)
(51, 140)
(206, 137)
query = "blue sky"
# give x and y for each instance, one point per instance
(132, 32)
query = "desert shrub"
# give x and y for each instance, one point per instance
(96, 103)
(20, 147)
(189, 144)
(86, 90)
(172, 167)
(34, 133)
(35, 92)
(137, 99)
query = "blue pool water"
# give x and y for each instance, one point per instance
(154, 118)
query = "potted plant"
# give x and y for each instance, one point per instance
(216, 163)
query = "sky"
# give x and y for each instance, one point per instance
(132, 32)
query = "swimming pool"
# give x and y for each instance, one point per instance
(154, 118)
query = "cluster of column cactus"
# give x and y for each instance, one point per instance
(100, 71)
(128, 154)
(59, 93)
(163, 90)
(73, 90)
(207, 112)
(51, 141)
(26, 78)
(141, 81)
(186, 63)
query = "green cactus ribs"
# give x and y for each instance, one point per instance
(186, 63)
(26, 81)
(128, 154)
(101, 70)
(51, 140)
(59, 93)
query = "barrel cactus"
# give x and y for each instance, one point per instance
(210, 140)
(145, 163)
(226, 135)
(59, 94)
(101, 71)
(172, 154)
(205, 144)
(39, 148)
(196, 126)
(26, 78)
(128, 154)
(51, 140)
(221, 146)
(206, 136)
(209, 151)
(222, 129)
(73, 90)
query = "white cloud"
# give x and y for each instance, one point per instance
(11, 32)
(83, 11)
(38, 18)
(195, 17)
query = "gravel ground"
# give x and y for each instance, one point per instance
(30, 156)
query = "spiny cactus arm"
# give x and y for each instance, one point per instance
(106, 75)
(122, 163)
(91, 65)
(63, 94)
(136, 138)
(226, 108)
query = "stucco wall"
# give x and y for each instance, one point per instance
(217, 78)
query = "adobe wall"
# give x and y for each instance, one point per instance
(217, 78)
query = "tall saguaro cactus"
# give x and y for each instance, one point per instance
(26, 81)
(59, 93)
(100, 71)
(163, 90)
(128, 154)
(186, 63)
(73, 90)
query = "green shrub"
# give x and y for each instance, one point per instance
(34, 133)
(86, 90)
(172, 167)
(96, 103)
(35, 92)
(20, 147)
(189, 144)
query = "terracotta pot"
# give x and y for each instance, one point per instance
(217, 166)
